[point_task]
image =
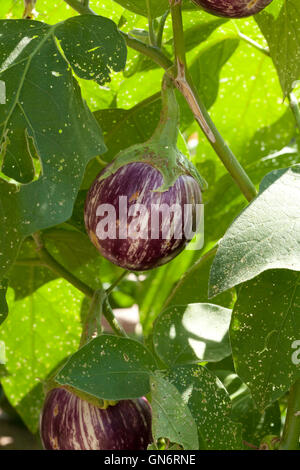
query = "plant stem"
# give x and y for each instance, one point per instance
(178, 35)
(187, 88)
(291, 431)
(82, 7)
(57, 268)
(152, 37)
(152, 52)
(92, 323)
(117, 281)
(111, 319)
(48, 260)
(161, 26)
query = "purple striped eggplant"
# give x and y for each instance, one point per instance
(233, 8)
(148, 227)
(69, 423)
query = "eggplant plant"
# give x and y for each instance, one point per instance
(149, 236)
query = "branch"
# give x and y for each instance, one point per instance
(152, 37)
(61, 271)
(184, 83)
(57, 268)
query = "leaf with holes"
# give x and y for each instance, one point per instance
(45, 115)
(185, 334)
(171, 418)
(209, 405)
(109, 368)
(265, 325)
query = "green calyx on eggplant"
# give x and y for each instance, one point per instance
(150, 177)
(68, 422)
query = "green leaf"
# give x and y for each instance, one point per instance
(265, 324)
(109, 368)
(282, 32)
(192, 286)
(64, 132)
(185, 334)
(256, 424)
(264, 236)
(26, 277)
(93, 46)
(171, 418)
(3, 303)
(40, 331)
(210, 406)
(157, 7)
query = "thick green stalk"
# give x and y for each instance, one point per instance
(117, 281)
(167, 130)
(185, 85)
(160, 32)
(152, 37)
(291, 431)
(57, 268)
(51, 263)
(91, 325)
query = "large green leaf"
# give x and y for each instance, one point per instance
(109, 368)
(93, 46)
(44, 108)
(281, 29)
(264, 236)
(210, 407)
(41, 330)
(265, 325)
(171, 417)
(186, 334)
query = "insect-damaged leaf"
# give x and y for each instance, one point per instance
(44, 115)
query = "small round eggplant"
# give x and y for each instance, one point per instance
(233, 8)
(148, 228)
(69, 423)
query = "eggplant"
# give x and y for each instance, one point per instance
(233, 8)
(142, 241)
(68, 422)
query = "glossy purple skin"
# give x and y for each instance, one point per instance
(136, 181)
(69, 423)
(233, 8)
